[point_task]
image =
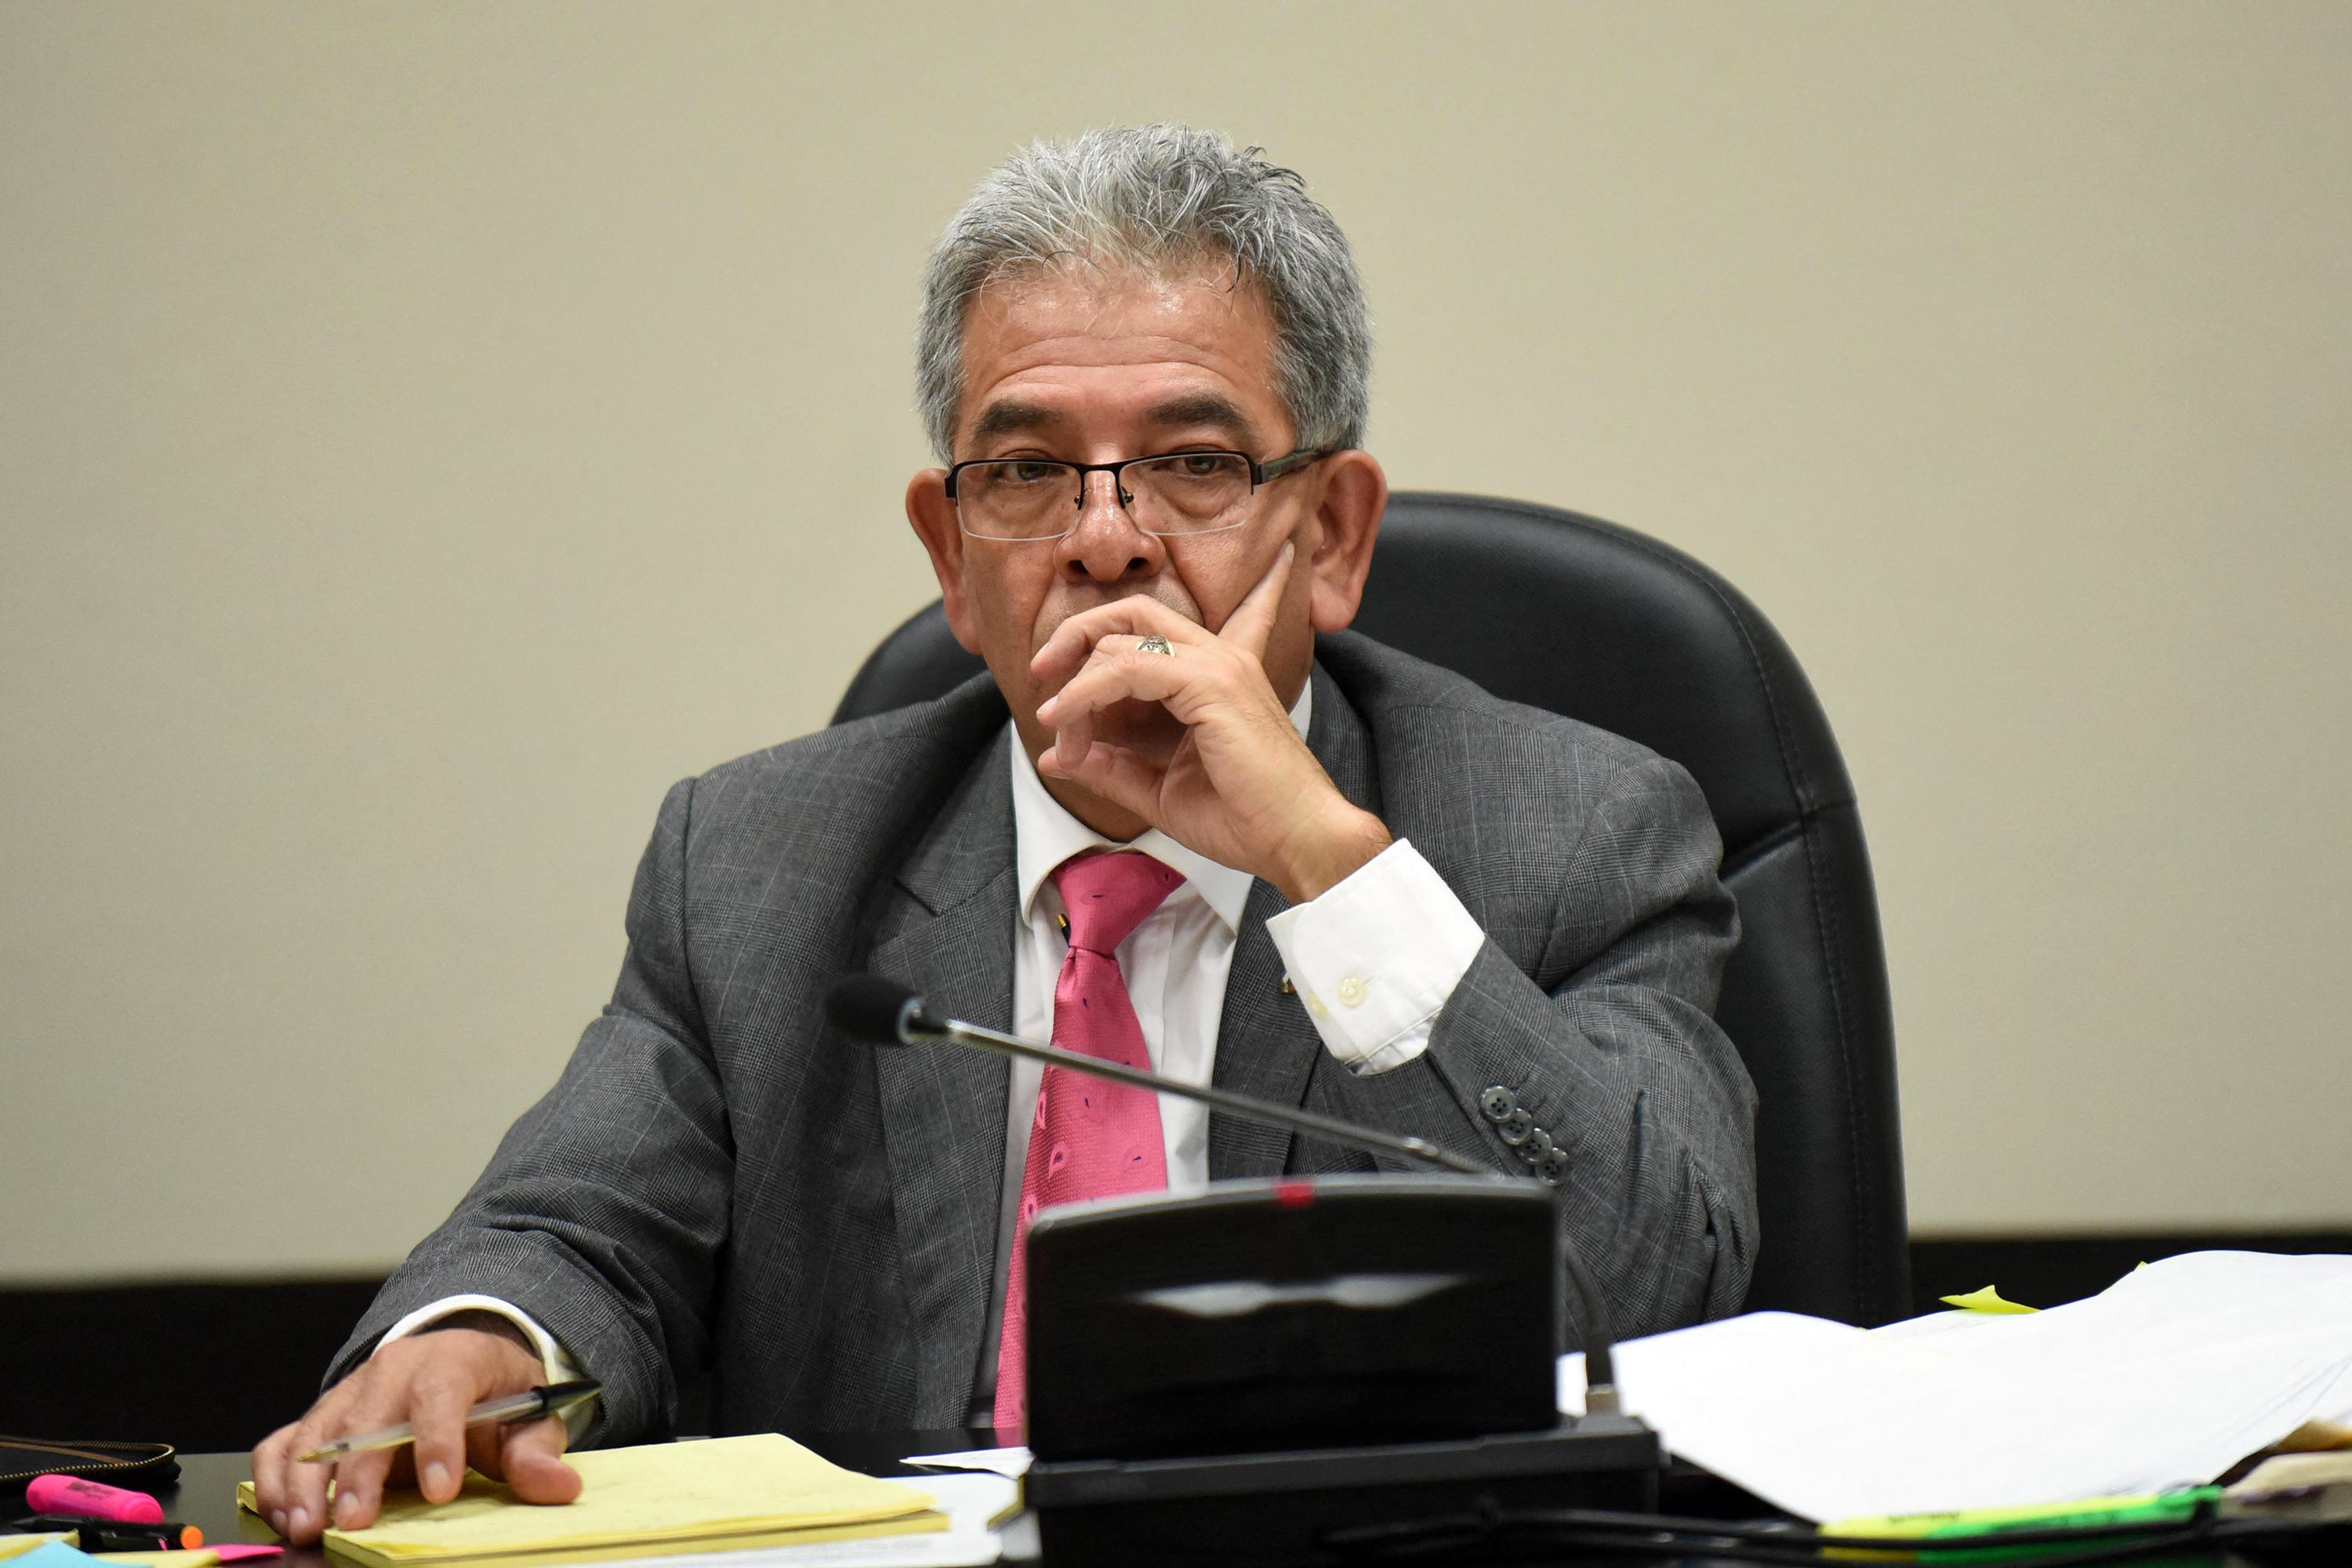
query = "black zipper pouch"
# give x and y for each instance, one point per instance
(140, 1466)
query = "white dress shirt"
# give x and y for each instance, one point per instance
(1372, 959)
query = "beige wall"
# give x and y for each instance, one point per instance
(427, 431)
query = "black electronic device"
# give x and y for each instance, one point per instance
(1235, 1375)
(1292, 1314)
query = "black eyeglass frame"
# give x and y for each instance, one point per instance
(1260, 474)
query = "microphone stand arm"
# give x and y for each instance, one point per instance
(915, 1026)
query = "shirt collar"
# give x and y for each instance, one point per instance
(1045, 835)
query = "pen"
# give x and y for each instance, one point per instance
(547, 1400)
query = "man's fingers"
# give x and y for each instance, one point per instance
(1250, 626)
(1117, 776)
(1252, 623)
(1074, 732)
(532, 1457)
(482, 1449)
(1120, 672)
(270, 1457)
(1138, 615)
(380, 1400)
(437, 1410)
(359, 1486)
(306, 1485)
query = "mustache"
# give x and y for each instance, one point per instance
(1181, 604)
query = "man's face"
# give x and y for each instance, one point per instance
(1089, 366)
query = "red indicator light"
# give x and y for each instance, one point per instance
(1294, 1194)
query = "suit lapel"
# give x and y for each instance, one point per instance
(1267, 1045)
(943, 1106)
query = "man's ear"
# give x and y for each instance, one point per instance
(934, 518)
(1347, 516)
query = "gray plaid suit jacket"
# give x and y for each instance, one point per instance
(719, 1179)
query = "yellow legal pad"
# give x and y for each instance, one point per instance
(665, 1498)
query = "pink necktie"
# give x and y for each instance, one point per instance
(1091, 1139)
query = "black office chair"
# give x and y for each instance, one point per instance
(1595, 621)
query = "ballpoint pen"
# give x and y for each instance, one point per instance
(549, 1399)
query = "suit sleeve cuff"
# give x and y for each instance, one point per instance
(1376, 957)
(556, 1363)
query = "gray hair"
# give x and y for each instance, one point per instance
(1163, 198)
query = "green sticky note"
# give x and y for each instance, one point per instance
(1988, 1299)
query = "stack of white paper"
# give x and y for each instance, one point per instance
(2166, 1378)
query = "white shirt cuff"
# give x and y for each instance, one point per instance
(557, 1364)
(1374, 959)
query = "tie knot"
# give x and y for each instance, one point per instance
(1107, 896)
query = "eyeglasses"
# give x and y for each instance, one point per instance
(1173, 492)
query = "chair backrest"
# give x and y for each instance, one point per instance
(1602, 624)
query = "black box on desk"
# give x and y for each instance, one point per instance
(1236, 1373)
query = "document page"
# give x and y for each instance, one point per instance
(2167, 1378)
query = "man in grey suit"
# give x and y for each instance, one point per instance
(1398, 899)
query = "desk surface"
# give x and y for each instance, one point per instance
(207, 1497)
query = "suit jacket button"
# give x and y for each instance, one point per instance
(1554, 1165)
(1497, 1103)
(1538, 1145)
(1516, 1127)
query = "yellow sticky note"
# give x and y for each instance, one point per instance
(1988, 1299)
(197, 1557)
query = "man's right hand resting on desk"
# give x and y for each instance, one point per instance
(429, 1379)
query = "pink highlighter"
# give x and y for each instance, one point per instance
(88, 1499)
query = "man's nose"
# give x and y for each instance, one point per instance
(1105, 545)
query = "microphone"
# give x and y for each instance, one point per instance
(887, 1013)
(881, 1011)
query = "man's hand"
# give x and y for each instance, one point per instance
(430, 1380)
(1236, 782)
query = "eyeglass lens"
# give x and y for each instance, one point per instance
(1029, 498)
